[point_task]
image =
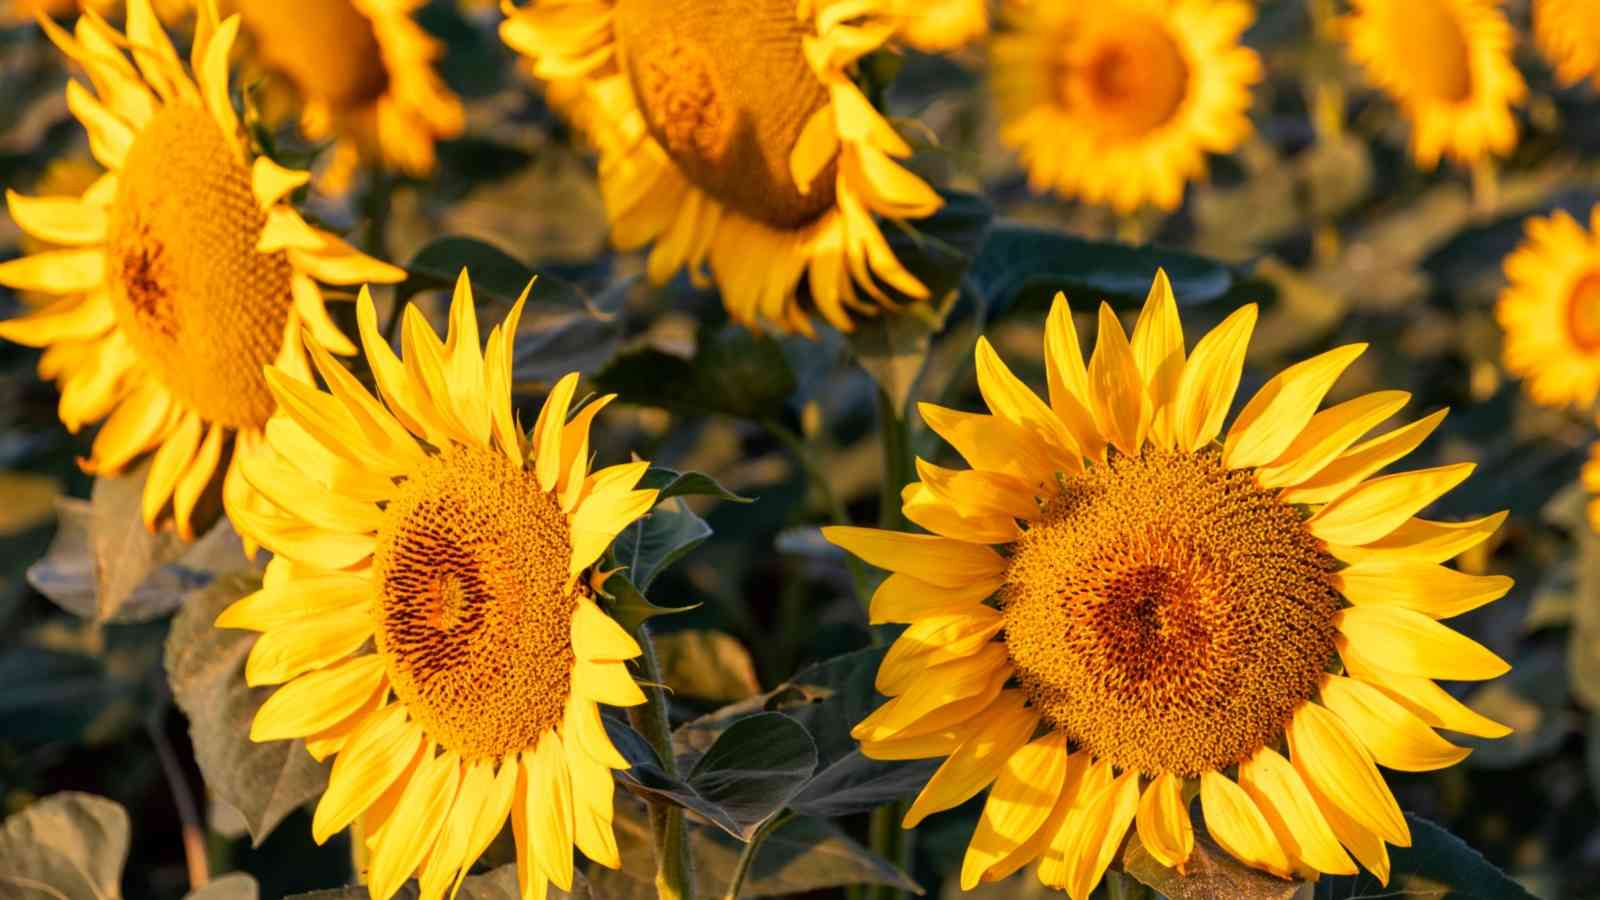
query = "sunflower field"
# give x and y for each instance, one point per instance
(832, 449)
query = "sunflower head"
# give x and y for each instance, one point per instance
(1550, 310)
(735, 142)
(1119, 102)
(938, 26)
(362, 71)
(1119, 607)
(1568, 33)
(178, 272)
(1448, 64)
(430, 612)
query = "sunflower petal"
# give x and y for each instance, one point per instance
(1374, 509)
(1236, 824)
(1020, 802)
(1210, 378)
(1163, 822)
(1397, 738)
(1283, 798)
(939, 561)
(1409, 643)
(1329, 757)
(1007, 727)
(1280, 411)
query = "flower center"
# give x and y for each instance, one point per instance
(1168, 614)
(204, 310)
(1583, 312)
(475, 616)
(326, 47)
(725, 89)
(1126, 76)
(1425, 37)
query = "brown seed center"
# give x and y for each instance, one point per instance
(1126, 76)
(326, 47)
(1425, 37)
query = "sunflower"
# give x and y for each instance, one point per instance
(1119, 102)
(1448, 64)
(1164, 611)
(936, 26)
(463, 550)
(363, 73)
(1550, 309)
(732, 135)
(1568, 33)
(184, 269)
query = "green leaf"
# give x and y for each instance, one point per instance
(1436, 865)
(1024, 265)
(497, 884)
(496, 275)
(754, 768)
(647, 777)
(68, 846)
(705, 664)
(627, 604)
(205, 667)
(671, 483)
(1210, 873)
(893, 348)
(233, 886)
(939, 249)
(661, 538)
(105, 566)
(733, 372)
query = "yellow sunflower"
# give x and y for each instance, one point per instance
(1119, 607)
(462, 549)
(1119, 102)
(1447, 63)
(1550, 310)
(936, 26)
(184, 269)
(1568, 33)
(363, 73)
(732, 135)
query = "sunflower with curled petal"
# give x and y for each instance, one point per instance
(1448, 64)
(361, 72)
(1550, 310)
(1568, 34)
(178, 273)
(1119, 102)
(732, 136)
(1166, 606)
(430, 610)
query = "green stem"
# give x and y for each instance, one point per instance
(747, 856)
(899, 469)
(818, 477)
(674, 864)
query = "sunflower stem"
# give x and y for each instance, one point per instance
(194, 841)
(674, 865)
(898, 465)
(1485, 186)
(747, 856)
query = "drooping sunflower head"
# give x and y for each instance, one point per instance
(178, 273)
(733, 137)
(1118, 605)
(1447, 63)
(1568, 33)
(936, 26)
(1550, 310)
(1119, 102)
(430, 611)
(362, 71)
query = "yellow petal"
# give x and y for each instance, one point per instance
(1424, 541)
(1068, 380)
(1430, 703)
(169, 464)
(905, 598)
(448, 856)
(530, 872)
(306, 644)
(1008, 398)
(596, 636)
(1021, 800)
(1374, 509)
(598, 520)
(1286, 802)
(605, 682)
(1410, 643)
(67, 221)
(1116, 388)
(1328, 434)
(1396, 737)
(1008, 726)
(939, 561)
(933, 641)
(1360, 841)
(411, 829)
(549, 808)
(547, 432)
(582, 729)
(1087, 780)
(72, 271)
(1158, 351)
(271, 182)
(1280, 411)
(1428, 588)
(1236, 824)
(992, 443)
(194, 481)
(74, 317)
(376, 754)
(1210, 378)
(318, 700)
(1104, 825)
(592, 798)
(1329, 758)
(497, 804)
(1163, 822)
(951, 693)
(1356, 464)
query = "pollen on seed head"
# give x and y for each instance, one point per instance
(725, 89)
(1167, 613)
(202, 307)
(474, 612)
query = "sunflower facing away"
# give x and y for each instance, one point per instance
(1118, 102)
(363, 72)
(1568, 33)
(936, 26)
(1119, 607)
(1550, 310)
(1447, 63)
(463, 549)
(731, 135)
(183, 272)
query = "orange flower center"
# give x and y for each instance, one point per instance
(327, 48)
(1583, 312)
(1425, 37)
(1125, 76)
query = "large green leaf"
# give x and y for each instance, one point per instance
(1436, 865)
(498, 884)
(939, 249)
(647, 777)
(754, 768)
(733, 372)
(205, 667)
(661, 538)
(68, 846)
(672, 483)
(1211, 873)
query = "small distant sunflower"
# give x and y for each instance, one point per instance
(1118, 102)
(185, 271)
(1119, 606)
(363, 73)
(430, 609)
(1550, 310)
(732, 134)
(936, 26)
(1447, 63)
(1568, 33)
